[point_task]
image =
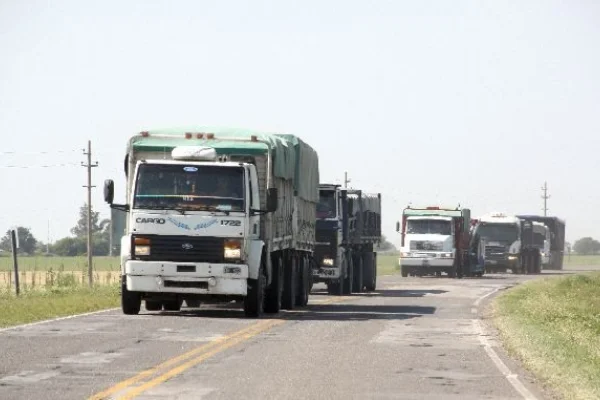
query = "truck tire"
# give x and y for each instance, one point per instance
(172, 305)
(254, 300)
(131, 302)
(370, 278)
(404, 271)
(349, 279)
(153, 305)
(274, 292)
(359, 265)
(289, 282)
(303, 282)
(193, 303)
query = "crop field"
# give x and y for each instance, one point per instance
(46, 272)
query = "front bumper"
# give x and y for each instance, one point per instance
(192, 278)
(426, 262)
(509, 263)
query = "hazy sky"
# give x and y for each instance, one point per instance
(426, 101)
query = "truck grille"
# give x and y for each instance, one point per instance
(495, 252)
(425, 245)
(183, 249)
(326, 245)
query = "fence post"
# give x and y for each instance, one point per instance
(13, 240)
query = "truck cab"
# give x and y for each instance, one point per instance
(502, 237)
(432, 240)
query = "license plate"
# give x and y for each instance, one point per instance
(492, 262)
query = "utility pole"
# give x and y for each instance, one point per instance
(110, 239)
(346, 180)
(89, 187)
(545, 196)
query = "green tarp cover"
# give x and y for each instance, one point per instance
(292, 158)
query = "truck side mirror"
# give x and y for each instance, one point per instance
(397, 226)
(272, 199)
(109, 191)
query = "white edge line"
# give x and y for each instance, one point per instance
(510, 376)
(46, 321)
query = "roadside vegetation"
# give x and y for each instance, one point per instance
(64, 298)
(553, 326)
(581, 260)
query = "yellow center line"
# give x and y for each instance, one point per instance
(195, 361)
(171, 362)
(177, 365)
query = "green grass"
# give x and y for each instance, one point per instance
(581, 260)
(387, 264)
(42, 263)
(37, 305)
(553, 326)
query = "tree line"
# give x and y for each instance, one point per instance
(74, 245)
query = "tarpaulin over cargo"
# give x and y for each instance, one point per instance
(307, 168)
(292, 158)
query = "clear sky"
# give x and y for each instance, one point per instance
(476, 102)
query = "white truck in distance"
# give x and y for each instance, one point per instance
(217, 214)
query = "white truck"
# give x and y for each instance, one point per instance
(542, 238)
(217, 214)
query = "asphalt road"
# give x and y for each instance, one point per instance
(414, 338)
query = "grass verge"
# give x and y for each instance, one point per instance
(38, 305)
(387, 264)
(553, 327)
(579, 260)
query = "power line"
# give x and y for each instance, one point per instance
(89, 187)
(545, 196)
(39, 166)
(38, 152)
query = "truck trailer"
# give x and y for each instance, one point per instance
(217, 214)
(435, 240)
(557, 238)
(348, 230)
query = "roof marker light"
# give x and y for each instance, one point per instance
(199, 135)
(254, 138)
(210, 135)
(188, 135)
(144, 134)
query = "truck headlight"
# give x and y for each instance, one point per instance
(328, 261)
(512, 258)
(406, 254)
(141, 246)
(232, 249)
(447, 255)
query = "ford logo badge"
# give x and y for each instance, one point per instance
(187, 246)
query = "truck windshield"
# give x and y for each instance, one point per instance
(431, 226)
(326, 207)
(506, 233)
(189, 187)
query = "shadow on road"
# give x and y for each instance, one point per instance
(314, 312)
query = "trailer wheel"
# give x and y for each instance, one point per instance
(274, 292)
(357, 281)
(370, 270)
(303, 282)
(289, 282)
(153, 305)
(131, 302)
(347, 282)
(254, 300)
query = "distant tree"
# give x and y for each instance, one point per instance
(386, 245)
(586, 245)
(69, 246)
(80, 230)
(27, 242)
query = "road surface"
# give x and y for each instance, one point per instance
(414, 338)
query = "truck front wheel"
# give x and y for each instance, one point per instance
(131, 302)
(253, 302)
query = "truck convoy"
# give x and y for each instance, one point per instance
(219, 214)
(510, 243)
(557, 238)
(348, 229)
(436, 240)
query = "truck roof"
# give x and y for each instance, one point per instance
(499, 218)
(438, 212)
(293, 159)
